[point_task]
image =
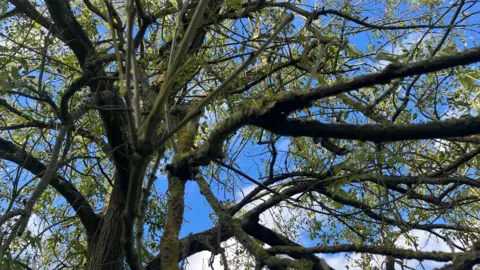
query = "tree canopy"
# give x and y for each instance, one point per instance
(271, 134)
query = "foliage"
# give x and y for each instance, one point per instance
(352, 129)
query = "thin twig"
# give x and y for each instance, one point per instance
(194, 113)
(170, 61)
(130, 58)
(22, 222)
(143, 204)
(152, 119)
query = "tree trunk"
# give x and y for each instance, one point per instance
(105, 247)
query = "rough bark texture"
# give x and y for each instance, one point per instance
(170, 243)
(104, 248)
(104, 233)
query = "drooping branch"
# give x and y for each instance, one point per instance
(70, 91)
(55, 126)
(211, 238)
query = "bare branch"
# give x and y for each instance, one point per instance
(197, 110)
(49, 173)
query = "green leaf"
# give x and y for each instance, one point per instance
(234, 4)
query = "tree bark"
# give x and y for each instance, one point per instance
(105, 248)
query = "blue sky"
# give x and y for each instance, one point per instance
(197, 210)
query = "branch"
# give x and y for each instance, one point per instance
(9, 14)
(456, 163)
(55, 126)
(433, 53)
(74, 87)
(473, 139)
(71, 31)
(89, 219)
(25, 7)
(19, 226)
(213, 237)
(170, 244)
(24, 265)
(15, 111)
(320, 187)
(272, 239)
(301, 99)
(138, 166)
(244, 175)
(198, 243)
(194, 112)
(375, 133)
(381, 250)
(317, 13)
(22, 45)
(278, 108)
(366, 209)
(464, 261)
(133, 119)
(146, 191)
(330, 146)
(95, 10)
(152, 119)
(396, 180)
(10, 214)
(253, 247)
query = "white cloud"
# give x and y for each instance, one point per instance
(425, 241)
(273, 217)
(345, 261)
(36, 225)
(200, 261)
(339, 262)
(406, 45)
(453, 113)
(236, 259)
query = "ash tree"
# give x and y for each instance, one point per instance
(304, 128)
